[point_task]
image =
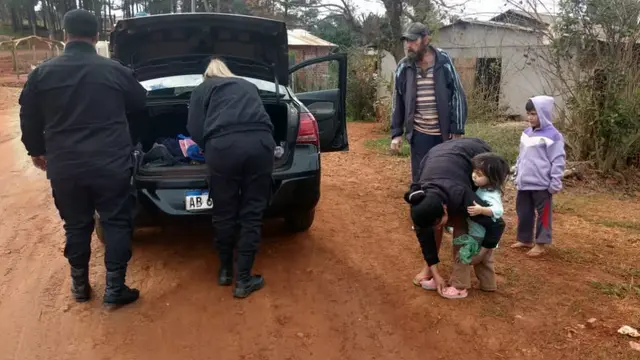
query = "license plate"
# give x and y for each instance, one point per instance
(197, 200)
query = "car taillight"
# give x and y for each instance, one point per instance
(308, 130)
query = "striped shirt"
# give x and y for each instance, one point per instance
(426, 116)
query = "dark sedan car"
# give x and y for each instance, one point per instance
(169, 53)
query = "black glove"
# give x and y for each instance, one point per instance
(414, 197)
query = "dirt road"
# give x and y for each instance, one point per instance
(340, 291)
(331, 293)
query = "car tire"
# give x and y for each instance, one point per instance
(300, 221)
(98, 228)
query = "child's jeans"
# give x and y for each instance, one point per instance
(528, 203)
(485, 272)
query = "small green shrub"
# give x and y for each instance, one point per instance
(362, 86)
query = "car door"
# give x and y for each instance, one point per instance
(321, 85)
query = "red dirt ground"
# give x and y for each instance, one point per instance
(341, 291)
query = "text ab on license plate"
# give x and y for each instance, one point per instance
(197, 200)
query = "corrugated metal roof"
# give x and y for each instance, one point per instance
(545, 18)
(300, 37)
(490, 24)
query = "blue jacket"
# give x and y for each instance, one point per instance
(451, 101)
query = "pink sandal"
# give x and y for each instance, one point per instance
(428, 284)
(453, 293)
(417, 281)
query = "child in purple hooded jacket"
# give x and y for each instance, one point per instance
(539, 171)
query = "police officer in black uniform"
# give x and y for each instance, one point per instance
(227, 120)
(73, 116)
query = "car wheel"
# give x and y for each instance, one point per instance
(300, 222)
(98, 228)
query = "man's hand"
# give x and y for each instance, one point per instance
(455, 136)
(476, 210)
(396, 144)
(40, 162)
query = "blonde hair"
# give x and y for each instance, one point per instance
(217, 68)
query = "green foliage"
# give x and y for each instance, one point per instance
(483, 110)
(593, 58)
(504, 138)
(617, 290)
(362, 86)
(335, 30)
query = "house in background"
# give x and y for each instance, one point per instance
(385, 67)
(304, 46)
(495, 58)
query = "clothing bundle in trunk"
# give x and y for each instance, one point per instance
(173, 151)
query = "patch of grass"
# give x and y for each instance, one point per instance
(633, 272)
(511, 276)
(504, 140)
(494, 311)
(381, 145)
(617, 290)
(619, 224)
(575, 307)
(571, 255)
(564, 204)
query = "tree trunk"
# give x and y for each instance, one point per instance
(45, 13)
(394, 14)
(48, 11)
(16, 20)
(110, 4)
(33, 20)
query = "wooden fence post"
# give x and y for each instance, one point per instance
(14, 57)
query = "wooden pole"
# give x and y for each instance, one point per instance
(15, 60)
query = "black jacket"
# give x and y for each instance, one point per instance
(73, 110)
(221, 106)
(446, 171)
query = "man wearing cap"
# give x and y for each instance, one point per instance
(73, 116)
(429, 104)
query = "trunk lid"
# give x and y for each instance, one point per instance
(177, 44)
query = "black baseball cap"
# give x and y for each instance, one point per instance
(415, 31)
(80, 23)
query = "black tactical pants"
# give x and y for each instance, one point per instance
(240, 181)
(77, 200)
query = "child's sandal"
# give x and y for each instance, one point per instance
(428, 284)
(453, 293)
(417, 280)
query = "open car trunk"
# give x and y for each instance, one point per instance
(163, 124)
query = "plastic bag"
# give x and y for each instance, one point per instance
(469, 248)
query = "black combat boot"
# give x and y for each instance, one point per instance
(116, 292)
(245, 282)
(225, 273)
(80, 287)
